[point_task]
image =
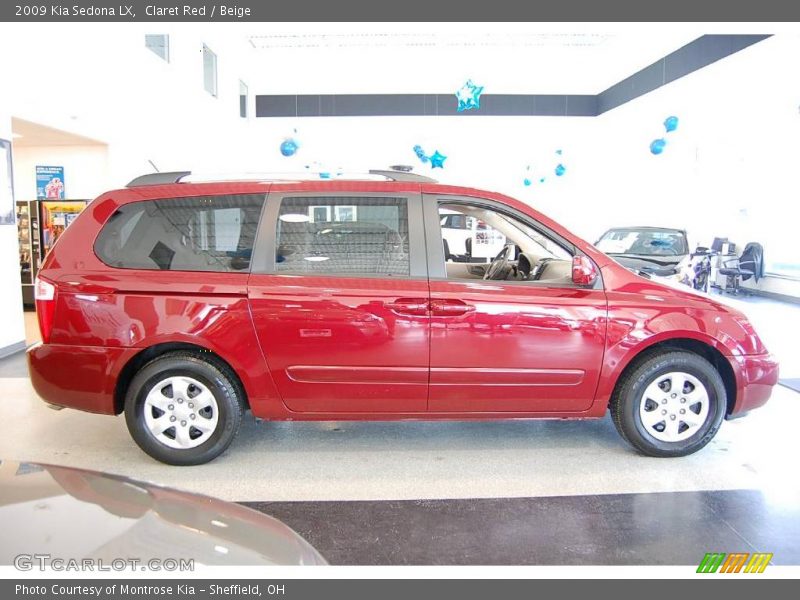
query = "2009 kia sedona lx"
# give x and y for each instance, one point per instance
(182, 304)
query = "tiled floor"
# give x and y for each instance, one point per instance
(616, 529)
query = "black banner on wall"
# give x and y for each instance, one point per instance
(407, 10)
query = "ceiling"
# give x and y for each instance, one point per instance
(349, 60)
(27, 133)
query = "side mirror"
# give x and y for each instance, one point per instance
(584, 273)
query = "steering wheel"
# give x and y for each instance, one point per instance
(499, 265)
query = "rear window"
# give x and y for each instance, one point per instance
(208, 233)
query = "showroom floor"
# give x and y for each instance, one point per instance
(347, 486)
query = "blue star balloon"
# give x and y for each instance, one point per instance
(657, 146)
(437, 160)
(560, 170)
(289, 147)
(469, 96)
(671, 124)
(559, 152)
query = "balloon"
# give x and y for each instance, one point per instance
(526, 182)
(560, 170)
(542, 180)
(418, 150)
(671, 124)
(657, 146)
(437, 160)
(469, 96)
(559, 152)
(289, 147)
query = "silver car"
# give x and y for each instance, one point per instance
(73, 514)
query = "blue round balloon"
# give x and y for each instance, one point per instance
(560, 170)
(657, 146)
(526, 181)
(289, 147)
(671, 124)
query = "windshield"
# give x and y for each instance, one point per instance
(644, 242)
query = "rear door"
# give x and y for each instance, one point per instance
(338, 294)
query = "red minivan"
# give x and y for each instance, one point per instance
(184, 303)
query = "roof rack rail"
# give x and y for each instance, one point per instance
(395, 173)
(402, 173)
(158, 178)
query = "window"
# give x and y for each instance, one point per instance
(209, 233)
(475, 236)
(343, 235)
(209, 71)
(243, 97)
(158, 44)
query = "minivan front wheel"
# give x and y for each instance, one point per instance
(183, 410)
(671, 404)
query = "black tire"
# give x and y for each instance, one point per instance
(216, 377)
(629, 392)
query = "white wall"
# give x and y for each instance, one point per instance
(12, 328)
(485, 152)
(104, 84)
(86, 171)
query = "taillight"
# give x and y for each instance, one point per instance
(44, 293)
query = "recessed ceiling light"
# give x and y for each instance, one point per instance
(317, 258)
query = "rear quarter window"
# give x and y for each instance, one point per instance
(208, 233)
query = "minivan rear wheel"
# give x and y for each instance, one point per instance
(182, 409)
(670, 404)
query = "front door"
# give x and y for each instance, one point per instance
(340, 304)
(522, 339)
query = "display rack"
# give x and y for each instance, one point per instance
(29, 246)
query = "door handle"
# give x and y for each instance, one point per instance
(408, 306)
(451, 308)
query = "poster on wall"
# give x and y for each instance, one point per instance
(7, 212)
(50, 183)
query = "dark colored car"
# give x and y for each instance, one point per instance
(183, 304)
(71, 514)
(656, 250)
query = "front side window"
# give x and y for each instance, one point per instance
(209, 233)
(343, 235)
(481, 243)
